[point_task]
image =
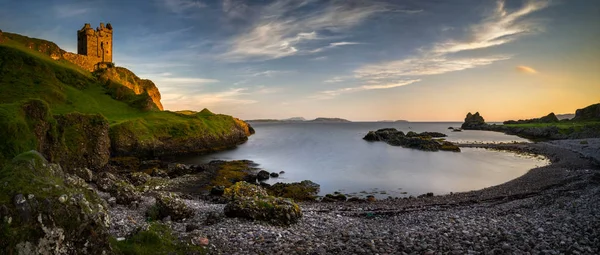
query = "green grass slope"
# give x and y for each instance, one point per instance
(26, 72)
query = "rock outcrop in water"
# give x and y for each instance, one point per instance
(474, 122)
(422, 141)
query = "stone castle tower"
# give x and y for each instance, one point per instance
(96, 44)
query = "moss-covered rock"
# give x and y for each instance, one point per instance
(252, 202)
(85, 139)
(298, 191)
(45, 211)
(170, 205)
(119, 188)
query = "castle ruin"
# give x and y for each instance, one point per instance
(96, 43)
(94, 47)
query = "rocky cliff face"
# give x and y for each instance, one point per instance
(591, 112)
(72, 140)
(130, 80)
(126, 140)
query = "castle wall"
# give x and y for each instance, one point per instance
(85, 62)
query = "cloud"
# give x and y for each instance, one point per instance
(328, 94)
(268, 73)
(499, 28)
(186, 80)
(423, 65)
(180, 6)
(526, 69)
(335, 79)
(333, 45)
(285, 27)
(68, 11)
(235, 9)
(234, 96)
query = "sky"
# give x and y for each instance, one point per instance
(363, 60)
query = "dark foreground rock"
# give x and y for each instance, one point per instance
(420, 141)
(45, 211)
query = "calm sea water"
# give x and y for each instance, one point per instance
(335, 156)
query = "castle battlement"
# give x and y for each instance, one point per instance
(96, 44)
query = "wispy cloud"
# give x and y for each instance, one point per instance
(180, 6)
(333, 45)
(335, 79)
(526, 69)
(328, 94)
(268, 73)
(68, 11)
(179, 101)
(186, 80)
(423, 65)
(285, 27)
(499, 28)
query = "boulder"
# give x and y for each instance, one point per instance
(334, 198)
(217, 190)
(252, 202)
(170, 205)
(274, 175)
(371, 136)
(50, 211)
(84, 173)
(139, 178)
(262, 175)
(118, 188)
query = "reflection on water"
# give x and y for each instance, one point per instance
(335, 156)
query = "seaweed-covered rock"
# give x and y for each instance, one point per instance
(170, 205)
(420, 141)
(448, 146)
(45, 211)
(299, 191)
(334, 198)
(371, 136)
(252, 202)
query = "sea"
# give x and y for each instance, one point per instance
(335, 156)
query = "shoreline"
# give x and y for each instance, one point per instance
(553, 208)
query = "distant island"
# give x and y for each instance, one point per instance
(396, 121)
(300, 119)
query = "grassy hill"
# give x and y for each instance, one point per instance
(32, 69)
